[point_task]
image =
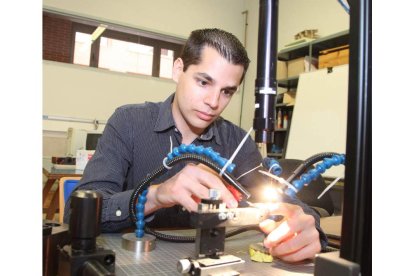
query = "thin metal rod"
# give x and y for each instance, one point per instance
(95, 122)
(245, 13)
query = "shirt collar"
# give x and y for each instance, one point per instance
(165, 121)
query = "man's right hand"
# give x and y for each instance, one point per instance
(192, 181)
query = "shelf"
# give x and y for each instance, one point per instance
(297, 51)
(284, 105)
(281, 104)
(309, 48)
(330, 41)
(289, 82)
(314, 46)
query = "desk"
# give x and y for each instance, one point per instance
(52, 175)
(332, 228)
(163, 259)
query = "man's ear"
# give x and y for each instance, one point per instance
(178, 69)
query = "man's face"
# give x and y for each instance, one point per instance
(204, 90)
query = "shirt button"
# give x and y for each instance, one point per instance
(175, 129)
(118, 213)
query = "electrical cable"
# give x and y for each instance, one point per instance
(328, 160)
(309, 162)
(181, 154)
(144, 184)
(185, 157)
(190, 239)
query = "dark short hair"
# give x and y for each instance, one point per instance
(225, 43)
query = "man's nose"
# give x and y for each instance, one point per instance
(212, 99)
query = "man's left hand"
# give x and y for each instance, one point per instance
(293, 239)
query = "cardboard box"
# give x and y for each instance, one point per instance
(281, 70)
(295, 67)
(333, 57)
(289, 97)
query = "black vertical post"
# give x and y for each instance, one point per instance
(356, 238)
(265, 85)
(85, 220)
(355, 256)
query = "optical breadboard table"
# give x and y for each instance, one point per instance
(163, 259)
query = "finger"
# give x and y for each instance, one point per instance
(306, 252)
(188, 203)
(210, 179)
(229, 199)
(170, 193)
(289, 227)
(296, 242)
(198, 190)
(284, 209)
(268, 225)
(279, 234)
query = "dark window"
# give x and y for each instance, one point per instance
(117, 48)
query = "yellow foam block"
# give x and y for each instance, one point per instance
(259, 253)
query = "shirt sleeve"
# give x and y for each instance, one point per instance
(106, 173)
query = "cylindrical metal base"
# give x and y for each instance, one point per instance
(132, 243)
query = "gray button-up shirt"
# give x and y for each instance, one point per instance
(135, 141)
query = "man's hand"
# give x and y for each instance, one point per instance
(193, 181)
(295, 238)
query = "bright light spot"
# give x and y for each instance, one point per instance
(272, 194)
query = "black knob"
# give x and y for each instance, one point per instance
(85, 219)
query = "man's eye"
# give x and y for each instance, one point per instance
(228, 92)
(202, 82)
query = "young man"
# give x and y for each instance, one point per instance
(138, 137)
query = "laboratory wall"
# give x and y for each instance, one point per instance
(90, 93)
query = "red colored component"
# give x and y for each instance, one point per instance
(237, 195)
